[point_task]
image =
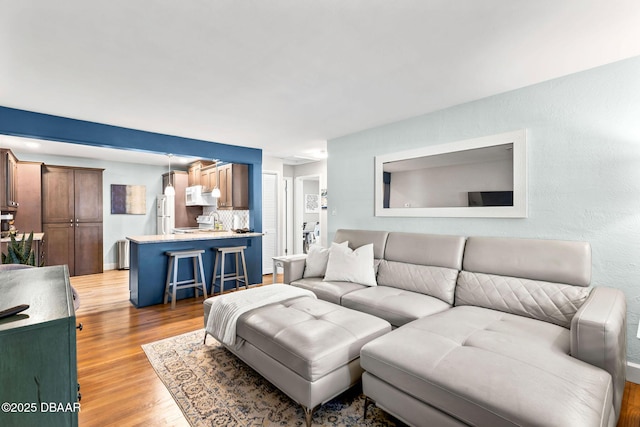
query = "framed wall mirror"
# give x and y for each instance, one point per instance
(480, 177)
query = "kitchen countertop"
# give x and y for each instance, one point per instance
(36, 237)
(157, 238)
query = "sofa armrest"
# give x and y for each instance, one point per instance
(292, 265)
(599, 336)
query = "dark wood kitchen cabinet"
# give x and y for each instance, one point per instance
(8, 181)
(209, 178)
(29, 217)
(72, 218)
(195, 172)
(233, 181)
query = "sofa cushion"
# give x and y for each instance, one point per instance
(397, 306)
(548, 260)
(347, 265)
(550, 302)
(425, 249)
(357, 238)
(309, 336)
(328, 291)
(438, 282)
(485, 367)
(317, 258)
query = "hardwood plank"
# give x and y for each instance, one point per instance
(630, 411)
(118, 385)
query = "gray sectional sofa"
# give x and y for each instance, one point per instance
(487, 331)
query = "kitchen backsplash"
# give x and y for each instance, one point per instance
(226, 217)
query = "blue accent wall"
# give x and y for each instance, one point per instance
(55, 128)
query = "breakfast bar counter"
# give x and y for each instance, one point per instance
(148, 261)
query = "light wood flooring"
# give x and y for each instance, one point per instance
(118, 385)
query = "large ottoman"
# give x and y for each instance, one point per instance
(308, 348)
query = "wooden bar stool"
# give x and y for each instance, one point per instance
(220, 257)
(173, 285)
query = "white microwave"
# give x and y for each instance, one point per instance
(195, 196)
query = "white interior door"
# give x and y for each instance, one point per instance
(288, 216)
(269, 220)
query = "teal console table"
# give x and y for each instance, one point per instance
(38, 368)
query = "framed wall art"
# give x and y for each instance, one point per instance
(311, 203)
(128, 199)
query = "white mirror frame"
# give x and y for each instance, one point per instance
(519, 208)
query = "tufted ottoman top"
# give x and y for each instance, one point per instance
(309, 336)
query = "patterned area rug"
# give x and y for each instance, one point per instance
(215, 388)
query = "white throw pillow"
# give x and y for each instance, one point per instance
(356, 266)
(317, 258)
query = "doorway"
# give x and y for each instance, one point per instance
(307, 213)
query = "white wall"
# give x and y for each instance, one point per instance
(116, 227)
(276, 165)
(583, 146)
(272, 164)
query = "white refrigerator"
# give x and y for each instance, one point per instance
(166, 216)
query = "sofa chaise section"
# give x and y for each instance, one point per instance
(527, 343)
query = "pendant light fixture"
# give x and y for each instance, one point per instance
(216, 191)
(169, 190)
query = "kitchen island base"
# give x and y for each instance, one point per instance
(148, 262)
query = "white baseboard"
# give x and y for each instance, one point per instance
(111, 266)
(633, 372)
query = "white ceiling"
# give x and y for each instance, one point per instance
(286, 75)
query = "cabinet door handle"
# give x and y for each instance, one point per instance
(79, 327)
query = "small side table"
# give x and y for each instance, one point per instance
(278, 261)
